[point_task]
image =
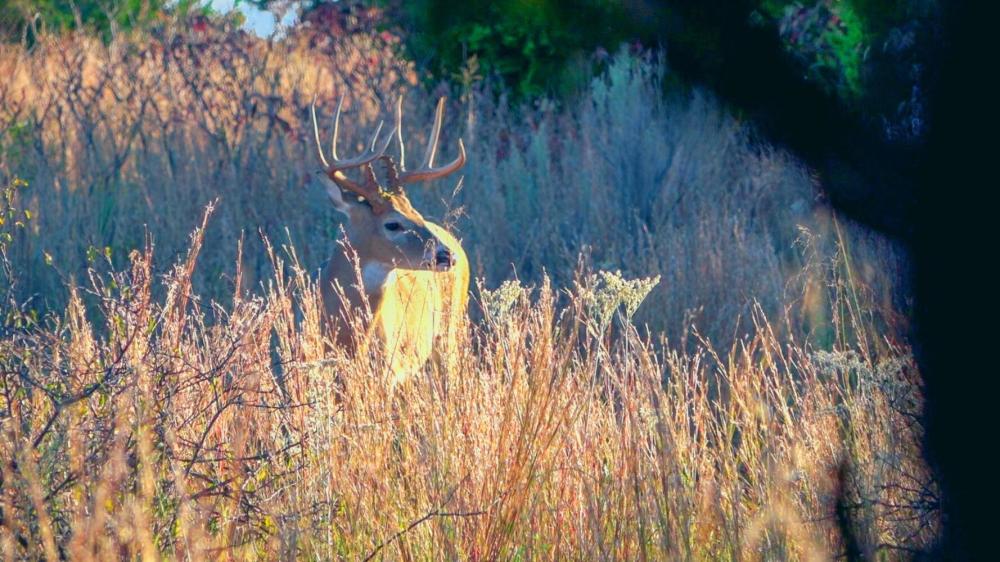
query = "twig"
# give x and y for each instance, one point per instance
(411, 526)
(436, 512)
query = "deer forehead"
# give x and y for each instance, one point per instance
(400, 205)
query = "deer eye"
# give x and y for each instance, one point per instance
(393, 226)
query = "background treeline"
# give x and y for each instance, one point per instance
(873, 56)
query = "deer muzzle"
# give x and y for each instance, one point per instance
(444, 258)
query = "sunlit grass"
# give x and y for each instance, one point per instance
(191, 407)
(133, 138)
(181, 427)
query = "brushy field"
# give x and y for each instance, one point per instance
(141, 136)
(186, 407)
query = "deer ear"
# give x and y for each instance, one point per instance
(336, 194)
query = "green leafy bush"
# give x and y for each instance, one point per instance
(843, 45)
(827, 38)
(26, 19)
(14, 220)
(534, 48)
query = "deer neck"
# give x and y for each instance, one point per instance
(374, 276)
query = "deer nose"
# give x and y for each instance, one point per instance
(444, 258)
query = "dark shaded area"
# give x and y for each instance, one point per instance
(762, 62)
(866, 177)
(949, 228)
(537, 48)
(914, 191)
(852, 545)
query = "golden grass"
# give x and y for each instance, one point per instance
(120, 140)
(190, 409)
(139, 427)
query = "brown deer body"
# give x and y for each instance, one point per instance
(414, 274)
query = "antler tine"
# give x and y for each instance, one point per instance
(427, 171)
(432, 141)
(371, 145)
(319, 144)
(369, 188)
(399, 133)
(372, 152)
(336, 128)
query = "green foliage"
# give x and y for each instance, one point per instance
(15, 140)
(881, 15)
(832, 39)
(533, 47)
(11, 218)
(27, 19)
(13, 221)
(828, 38)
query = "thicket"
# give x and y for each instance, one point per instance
(871, 55)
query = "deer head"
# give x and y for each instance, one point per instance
(382, 225)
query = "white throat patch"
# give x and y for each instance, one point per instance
(373, 275)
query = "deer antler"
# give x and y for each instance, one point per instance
(370, 189)
(426, 171)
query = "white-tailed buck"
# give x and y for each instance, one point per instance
(414, 273)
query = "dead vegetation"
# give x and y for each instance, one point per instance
(186, 408)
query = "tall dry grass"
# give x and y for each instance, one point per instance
(188, 407)
(138, 136)
(673, 186)
(190, 429)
